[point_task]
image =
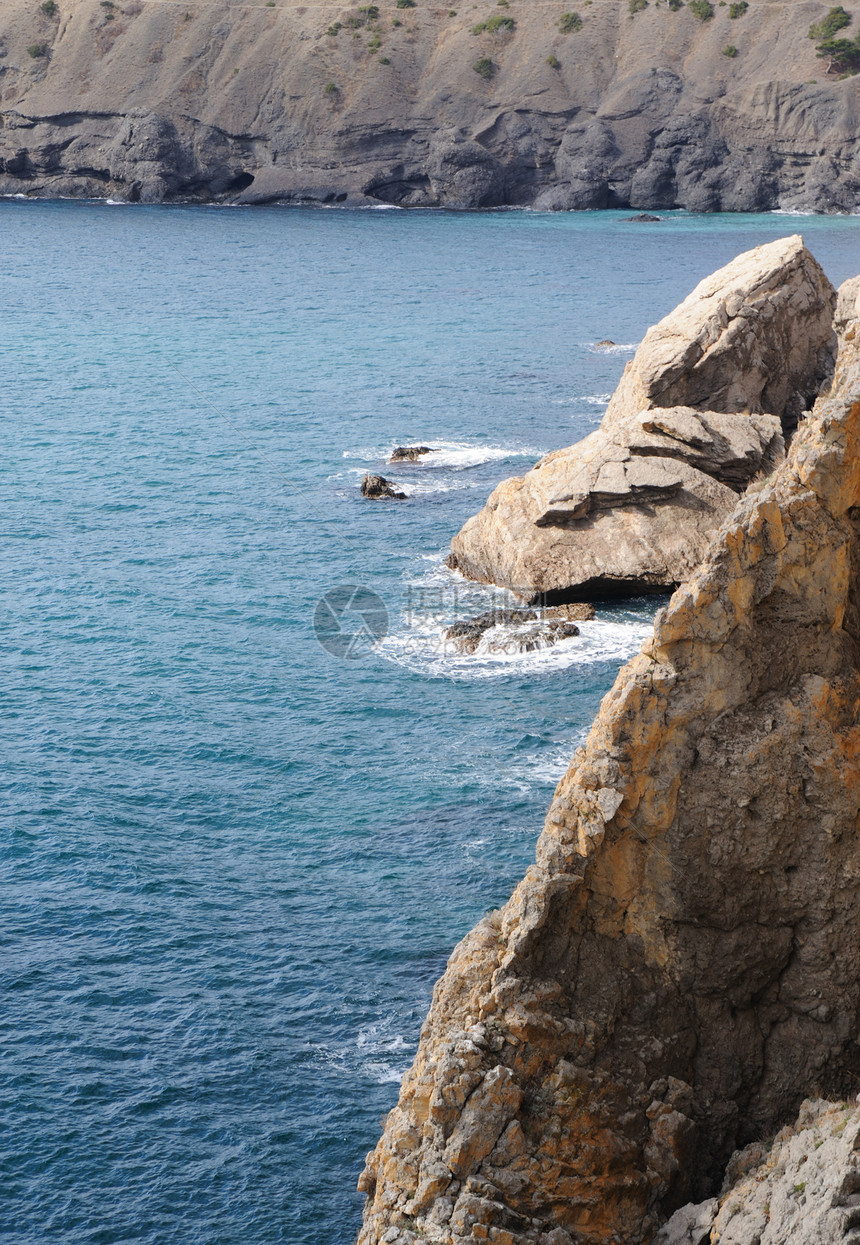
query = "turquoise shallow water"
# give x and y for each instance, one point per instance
(234, 863)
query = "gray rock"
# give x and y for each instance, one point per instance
(409, 453)
(517, 631)
(376, 487)
(691, 1225)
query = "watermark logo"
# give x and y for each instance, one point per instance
(349, 621)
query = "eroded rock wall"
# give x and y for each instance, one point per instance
(268, 100)
(680, 967)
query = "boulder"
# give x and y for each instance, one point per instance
(847, 304)
(702, 410)
(629, 509)
(409, 453)
(516, 631)
(376, 487)
(756, 336)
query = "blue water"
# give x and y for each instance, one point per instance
(234, 863)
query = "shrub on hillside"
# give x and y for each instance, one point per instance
(636, 6)
(49, 8)
(484, 67)
(494, 24)
(837, 19)
(702, 9)
(738, 10)
(569, 22)
(843, 55)
(730, 51)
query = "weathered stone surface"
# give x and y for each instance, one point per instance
(801, 1189)
(697, 415)
(681, 963)
(376, 487)
(755, 336)
(847, 304)
(691, 1225)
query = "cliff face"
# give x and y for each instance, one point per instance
(680, 967)
(256, 102)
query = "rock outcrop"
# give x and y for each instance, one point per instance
(409, 453)
(801, 1188)
(517, 631)
(367, 104)
(680, 966)
(377, 487)
(700, 412)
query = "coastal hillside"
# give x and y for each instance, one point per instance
(705, 106)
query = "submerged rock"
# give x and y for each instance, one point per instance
(681, 963)
(409, 453)
(374, 486)
(642, 218)
(701, 411)
(519, 631)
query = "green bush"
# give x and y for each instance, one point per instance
(36, 49)
(674, 5)
(568, 22)
(702, 9)
(836, 19)
(730, 51)
(383, 60)
(334, 28)
(330, 88)
(494, 24)
(738, 9)
(553, 61)
(484, 67)
(843, 54)
(636, 6)
(369, 12)
(49, 8)
(405, 4)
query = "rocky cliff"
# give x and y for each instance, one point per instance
(700, 411)
(474, 105)
(680, 967)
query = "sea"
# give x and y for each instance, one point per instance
(251, 799)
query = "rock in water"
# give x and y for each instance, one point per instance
(681, 963)
(377, 486)
(642, 218)
(524, 631)
(409, 453)
(699, 413)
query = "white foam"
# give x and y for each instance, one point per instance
(615, 348)
(456, 454)
(422, 649)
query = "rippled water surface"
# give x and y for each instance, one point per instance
(233, 862)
